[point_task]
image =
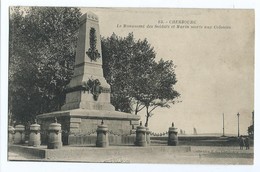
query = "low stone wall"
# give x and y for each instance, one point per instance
(199, 141)
(91, 140)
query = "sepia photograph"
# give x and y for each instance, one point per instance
(131, 85)
(87, 86)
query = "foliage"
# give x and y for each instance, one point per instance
(155, 88)
(123, 58)
(250, 130)
(41, 59)
(137, 80)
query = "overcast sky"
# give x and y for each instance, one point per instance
(215, 67)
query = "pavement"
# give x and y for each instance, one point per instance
(197, 155)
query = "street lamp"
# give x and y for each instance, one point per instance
(223, 126)
(238, 124)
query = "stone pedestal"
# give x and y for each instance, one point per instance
(54, 138)
(172, 136)
(79, 125)
(10, 134)
(35, 135)
(19, 136)
(102, 136)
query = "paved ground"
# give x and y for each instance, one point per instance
(17, 156)
(198, 155)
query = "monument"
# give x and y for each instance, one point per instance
(88, 94)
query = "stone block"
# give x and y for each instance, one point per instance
(74, 125)
(74, 131)
(75, 120)
(132, 122)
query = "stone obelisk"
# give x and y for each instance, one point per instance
(88, 72)
(88, 95)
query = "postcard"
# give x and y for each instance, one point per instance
(131, 85)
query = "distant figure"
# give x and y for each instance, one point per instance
(194, 131)
(241, 142)
(247, 142)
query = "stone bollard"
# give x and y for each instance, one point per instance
(10, 134)
(141, 133)
(102, 135)
(148, 136)
(172, 136)
(35, 135)
(54, 136)
(19, 135)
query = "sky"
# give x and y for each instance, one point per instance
(214, 59)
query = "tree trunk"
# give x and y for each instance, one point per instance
(136, 109)
(147, 116)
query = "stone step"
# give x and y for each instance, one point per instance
(95, 154)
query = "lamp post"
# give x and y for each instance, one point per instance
(238, 124)
(253, 118)
(223, 125)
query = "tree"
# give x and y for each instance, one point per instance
(137, 80)
(250, 130)
(123, 60)
(155, 89)
(41, 59)
(113, 56)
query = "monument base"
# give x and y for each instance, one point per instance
(79, 125)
